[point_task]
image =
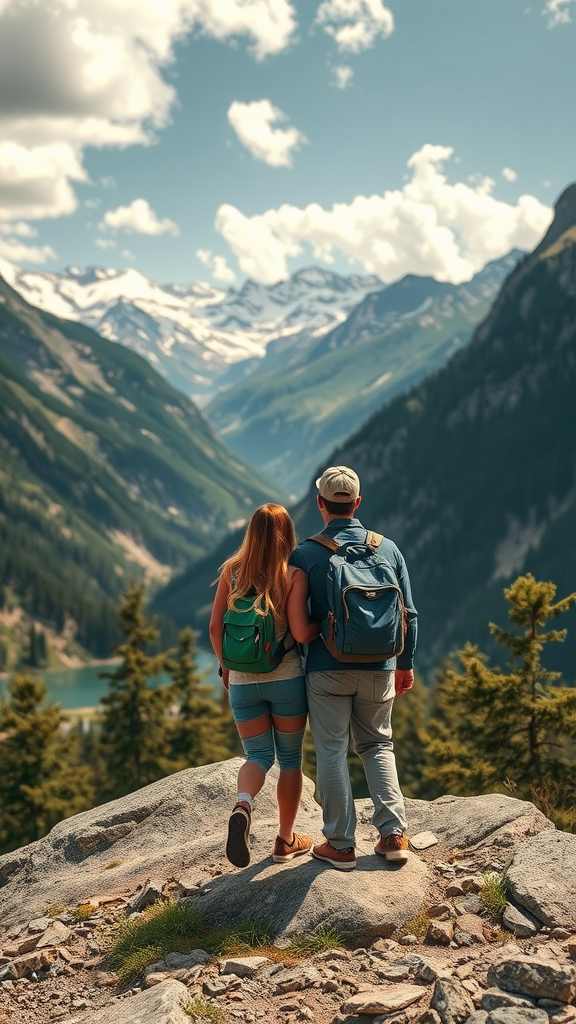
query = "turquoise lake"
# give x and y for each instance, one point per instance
(83, 687)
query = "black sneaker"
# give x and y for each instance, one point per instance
(237, 848)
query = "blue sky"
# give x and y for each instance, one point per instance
(142, 133)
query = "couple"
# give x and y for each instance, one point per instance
(270, 709)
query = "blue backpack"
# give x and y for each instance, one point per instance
(366, 621)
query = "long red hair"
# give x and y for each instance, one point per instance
(261, 561)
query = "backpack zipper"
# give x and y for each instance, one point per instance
(358, 586)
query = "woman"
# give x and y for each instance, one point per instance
(269, 708)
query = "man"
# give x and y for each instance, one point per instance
(357, 696)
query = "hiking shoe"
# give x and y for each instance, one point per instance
(394, 847)
(344, 860)
(237, 848)
(284, 851)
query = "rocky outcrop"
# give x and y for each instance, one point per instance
(542, 878)
(63, 897)
(176, 828)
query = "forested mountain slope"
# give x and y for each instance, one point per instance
(473, 472)
(301, 400)
(105, 471)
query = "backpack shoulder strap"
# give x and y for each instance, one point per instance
(325, 541)
(374, 540)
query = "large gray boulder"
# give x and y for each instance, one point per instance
(542, 878)
(163, 1004)
(374, 900)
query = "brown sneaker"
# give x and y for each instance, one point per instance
(284, 850)
(344, 860)
(237, 848)
(394, 847)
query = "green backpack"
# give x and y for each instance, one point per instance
(249, 640)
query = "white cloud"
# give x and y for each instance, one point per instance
(15, 251)
(509, 174)
(129, 255)
(254, 125)
(35, 180)
(105, 243)
(558, 12)
(90, 72)
(430, 226)
(20, 228)
(138, 217)
(217, 265)
(355, 25)
(342, 76)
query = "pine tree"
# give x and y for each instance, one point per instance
(32, 659)
(41, 778)
(135, 742)
(492, 729)
(199, 734)
(42, 648)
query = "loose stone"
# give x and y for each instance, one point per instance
(440, 932)
(516, 1015)
(533, 977)
(451, 1001)
(382, 1000)
(521, 922)
(495, 997)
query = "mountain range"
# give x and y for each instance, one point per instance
(106, 472)
(199, 337)
(305, 397)
(473, 471)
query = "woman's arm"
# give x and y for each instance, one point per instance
(217, 621)
(302, 628)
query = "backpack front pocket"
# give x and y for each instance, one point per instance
(372, 620)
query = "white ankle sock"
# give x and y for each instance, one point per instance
(244, 798)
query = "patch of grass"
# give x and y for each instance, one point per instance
(493, 893)
(241, 939)
(163, 928)
(83, 911)
(318, 941)
(55, 910)
(418, 926)
(112, 864)
(178, 927)
(203, 1009)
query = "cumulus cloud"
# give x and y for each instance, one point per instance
(105, 243)
(342, 76)
(138, 217)
(355, 25)
(509, 174)
(16, 251)
(89, 72)
(558, 12)
(217, 265)
(35, 180)
(430, 226)
(254, 125)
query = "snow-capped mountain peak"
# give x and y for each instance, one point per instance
(193, 334)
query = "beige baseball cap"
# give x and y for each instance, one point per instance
(338, 483)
